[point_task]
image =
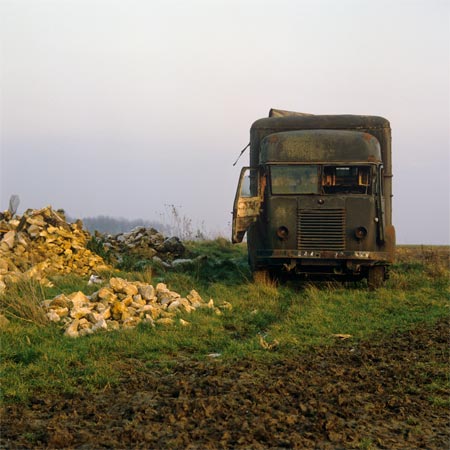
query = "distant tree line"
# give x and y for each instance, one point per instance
(114, 225)
(173, 223)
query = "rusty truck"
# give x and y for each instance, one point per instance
(316, 199)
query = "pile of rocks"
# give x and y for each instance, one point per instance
(146, 243)
(42, 243)
(123, 304)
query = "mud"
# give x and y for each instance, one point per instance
(373, 395)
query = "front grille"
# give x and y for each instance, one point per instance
(322, 229)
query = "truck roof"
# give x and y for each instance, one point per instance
(320, 146)
(330, 122)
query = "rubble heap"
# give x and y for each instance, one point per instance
(123, 304)
(144, 242)
(42, 243)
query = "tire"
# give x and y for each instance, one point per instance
(375, 277)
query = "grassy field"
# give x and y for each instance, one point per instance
(291, 366)
(266, 323)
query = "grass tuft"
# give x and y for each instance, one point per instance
(22, 301)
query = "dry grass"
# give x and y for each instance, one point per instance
(429, 254)
(23, 301)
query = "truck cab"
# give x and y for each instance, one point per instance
(313, 200)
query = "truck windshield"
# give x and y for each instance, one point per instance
(318, 179)
(302, 179)
(346, 179)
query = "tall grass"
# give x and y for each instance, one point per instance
(23, 301)
(297, 316)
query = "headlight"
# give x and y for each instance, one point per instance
(360, 233)
(282, 233)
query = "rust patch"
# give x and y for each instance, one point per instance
(263, 186)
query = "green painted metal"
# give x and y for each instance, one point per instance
(319, 146)
(377, 126)
(320, 225)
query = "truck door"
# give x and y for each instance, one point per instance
(247, 203)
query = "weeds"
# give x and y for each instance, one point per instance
(23, 301)
(133, 263)
(96, 245)
(180, 225)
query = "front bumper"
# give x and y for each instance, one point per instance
(324, 255)
(321, 261)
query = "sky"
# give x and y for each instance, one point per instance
(122, 108)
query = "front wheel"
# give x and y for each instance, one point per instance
(375, 277)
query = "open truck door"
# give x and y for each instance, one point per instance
(247, 203)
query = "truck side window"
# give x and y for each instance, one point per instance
(346, 179)
(249, 184)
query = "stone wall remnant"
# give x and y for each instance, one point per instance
(41, 243)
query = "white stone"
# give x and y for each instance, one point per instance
(94, 279)
(164, 301)
(62, 312)
(52, 316)
(100, 325)
(162, 263)
(33, 231)
(78, 313)
(138, 300)
(131, 322)
(117, 284)
(147, 292)
(21, 239)
(107, 294)
(72, 329)
(84, 323)
(195, 299)
(181, 262)
(106, 314)
(94, 317)
(186, 305)
(60, 301)
(149, 320)
(130, 289)
(161, 287)
(9, 238)
(79, 299)
(100, 307)
(174, 305)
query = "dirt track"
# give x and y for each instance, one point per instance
(370, 395)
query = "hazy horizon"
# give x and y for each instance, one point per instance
(121, 108)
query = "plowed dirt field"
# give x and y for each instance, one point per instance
(380, 394)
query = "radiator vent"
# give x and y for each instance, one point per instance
(322, 229)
